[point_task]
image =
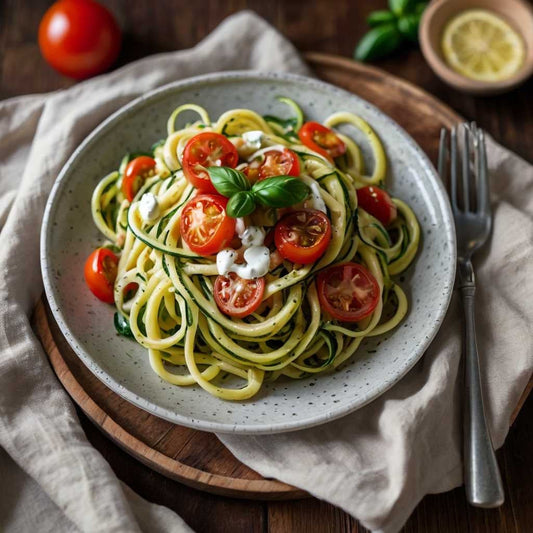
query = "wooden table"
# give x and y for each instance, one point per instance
(151, 27)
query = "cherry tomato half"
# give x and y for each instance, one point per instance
(303, 236)
(204, 224)
(275, 163)
(135, 174)
(378, 203)
(79, 38)
(348, 292)
(206, 150)
(100, 273)
(130, 289)
(322, 140)
(236, 296)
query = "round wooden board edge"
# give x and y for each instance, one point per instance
(449, 116)
(265, 489)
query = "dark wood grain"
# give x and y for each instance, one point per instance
(195, 458)
(152, 27)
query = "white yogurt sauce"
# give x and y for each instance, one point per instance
(252, 236)
(253, 139)
(256, 255)
(226, 260)
(257, 259)
(315, 200)
(149, 207)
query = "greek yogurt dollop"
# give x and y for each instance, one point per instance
(256, 255)
(149, 207)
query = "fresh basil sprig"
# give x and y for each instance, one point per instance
(390, 28)
(400, 7)
(228, 181)
(381, 16)
(408, 26)
(277, 191)
(241, 204)
(280, 191)
(378, 42)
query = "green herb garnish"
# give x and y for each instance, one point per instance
(390, 28)
(277, 191)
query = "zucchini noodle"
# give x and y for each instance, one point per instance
(164, 291)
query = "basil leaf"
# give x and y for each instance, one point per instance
(228, 181)
(280, 191)
(122, 325)
(241, 204)
(378, 42)
(408, 26)
(382, 16)
(419, 8)
(400, 7)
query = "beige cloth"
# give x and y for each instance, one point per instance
(376, 463)
(51, 479)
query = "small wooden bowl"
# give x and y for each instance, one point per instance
(517, 12)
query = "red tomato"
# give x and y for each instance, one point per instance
(236, 296)
(137, 170)
(204, 224)
(303, 236)
(100, 273)
(348, 292)
(322, 140)
(206, 150)
(79, 38)
(275, 163)
(378, 203)
(130, 289)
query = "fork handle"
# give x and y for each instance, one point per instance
(483, 483)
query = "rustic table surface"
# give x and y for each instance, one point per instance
(325, 26)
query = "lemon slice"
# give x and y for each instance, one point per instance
(480, 45)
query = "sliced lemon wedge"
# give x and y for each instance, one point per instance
(480, 45)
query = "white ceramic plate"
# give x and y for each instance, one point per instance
(68, 236)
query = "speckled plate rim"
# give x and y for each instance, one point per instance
(448, 232)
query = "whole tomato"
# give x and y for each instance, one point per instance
(79, 38)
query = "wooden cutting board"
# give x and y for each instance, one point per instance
(196, 458)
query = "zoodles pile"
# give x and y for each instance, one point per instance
(310, 316)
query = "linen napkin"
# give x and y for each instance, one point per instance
(376, 463)
(51, 478)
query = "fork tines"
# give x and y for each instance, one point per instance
(469, 185)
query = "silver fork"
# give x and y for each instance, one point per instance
(469, 194)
